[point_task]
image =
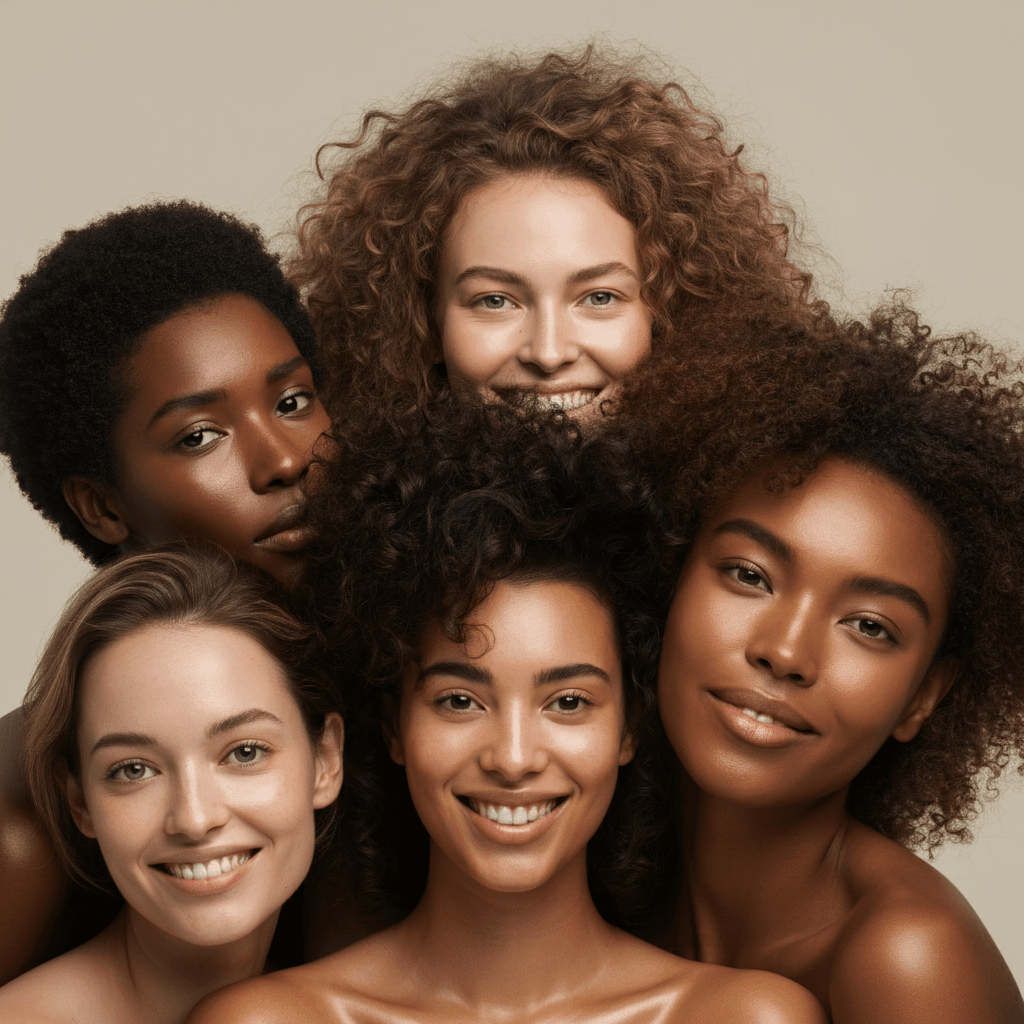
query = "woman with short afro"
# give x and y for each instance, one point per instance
(700, 230)
(840, 674)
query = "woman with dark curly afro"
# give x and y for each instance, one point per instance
(533, 225)
(840, 676)
(156, 382)
(491, 598)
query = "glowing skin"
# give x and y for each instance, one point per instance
(539, 291)
(230, 773)
(531, 728)
(820, 608)
(215, 440)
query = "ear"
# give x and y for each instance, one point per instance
(627, 748)
(935, 685)
(76, 803)
(92, 502)
(389, 726)
(329, 761)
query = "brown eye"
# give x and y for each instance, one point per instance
(247, 753)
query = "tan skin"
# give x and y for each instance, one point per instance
(819, 609)
(204, 819)
(226, 462)
(512, 752)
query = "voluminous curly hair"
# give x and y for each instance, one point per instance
(707, 228)
(67, 336)
(943, 418)
(179, 585)
(417, 523)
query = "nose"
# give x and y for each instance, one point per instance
(197, 806)
(785, 641)
(550, 340)
(516, 745)
(278, 452)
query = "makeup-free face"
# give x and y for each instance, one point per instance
(199, 779)
(802, 635)
(539, 291)
(217, 435)
(512, 751)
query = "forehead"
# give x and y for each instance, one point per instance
(172, 681)
(212, 345)
(547, 217)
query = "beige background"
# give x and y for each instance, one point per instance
(897, 124)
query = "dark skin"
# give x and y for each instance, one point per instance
(215, 443)
(802, 635)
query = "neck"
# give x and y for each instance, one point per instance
(758, 879)
(505, 949)
(165, 976)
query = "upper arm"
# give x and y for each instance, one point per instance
(33, 885)
(922, 965)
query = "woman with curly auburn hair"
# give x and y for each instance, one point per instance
(840, 675)
(533, 225)
(491, 600)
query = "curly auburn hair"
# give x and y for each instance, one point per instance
(707, 228)
(416, 525)
(179, 584)
(70, 330)
(942, 417)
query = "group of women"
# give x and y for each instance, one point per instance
(654, 612)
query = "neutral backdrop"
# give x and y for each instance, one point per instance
(894, 127)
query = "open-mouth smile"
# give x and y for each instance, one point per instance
(214, 868)
(512, 814)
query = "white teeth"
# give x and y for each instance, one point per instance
(505, 815)
(209, 869)
(569, 400)
(767, 719)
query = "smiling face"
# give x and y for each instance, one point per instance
(539, 291)
(802, 635)
(199, 779)
(215, 440)
(512, 755)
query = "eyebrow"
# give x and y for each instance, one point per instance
(578, 276)
(475, 674)
(197, 399)
(138, 739)
(877, 585)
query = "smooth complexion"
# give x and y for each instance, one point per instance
(215, 440)
(512, 746)
(539, 292)
(195, 761)
(802, 636)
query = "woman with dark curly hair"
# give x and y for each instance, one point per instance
(203, 819)
(533, 225)
(156, 382)
(840, 675)
(489, 594)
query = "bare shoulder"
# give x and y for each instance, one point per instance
(749, 997)
(33, 886)
(69, 989)
(285, 997)
(914, 950)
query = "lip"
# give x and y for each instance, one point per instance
(288, 532)
(789, 726)
(513, 835)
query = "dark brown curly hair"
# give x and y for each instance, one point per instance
(942, 417)
(707, 229)
(417, 524)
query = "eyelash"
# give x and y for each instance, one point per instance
(199, 429)
(130, 762)
(734, 568)
(444, 700)
(573, 695)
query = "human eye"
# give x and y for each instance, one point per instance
(296, 401)
(600, 298)
(870, 628)
(570, 703)
(748, 577)
(131, 771)
(457, 702)
(495, 301)
(199, 439)
(250, 752)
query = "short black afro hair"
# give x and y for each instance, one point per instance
(68, 331)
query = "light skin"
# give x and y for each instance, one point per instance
(525, 725)
(215, 443)
(539, 288)
(225, 787)
(803, 634)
